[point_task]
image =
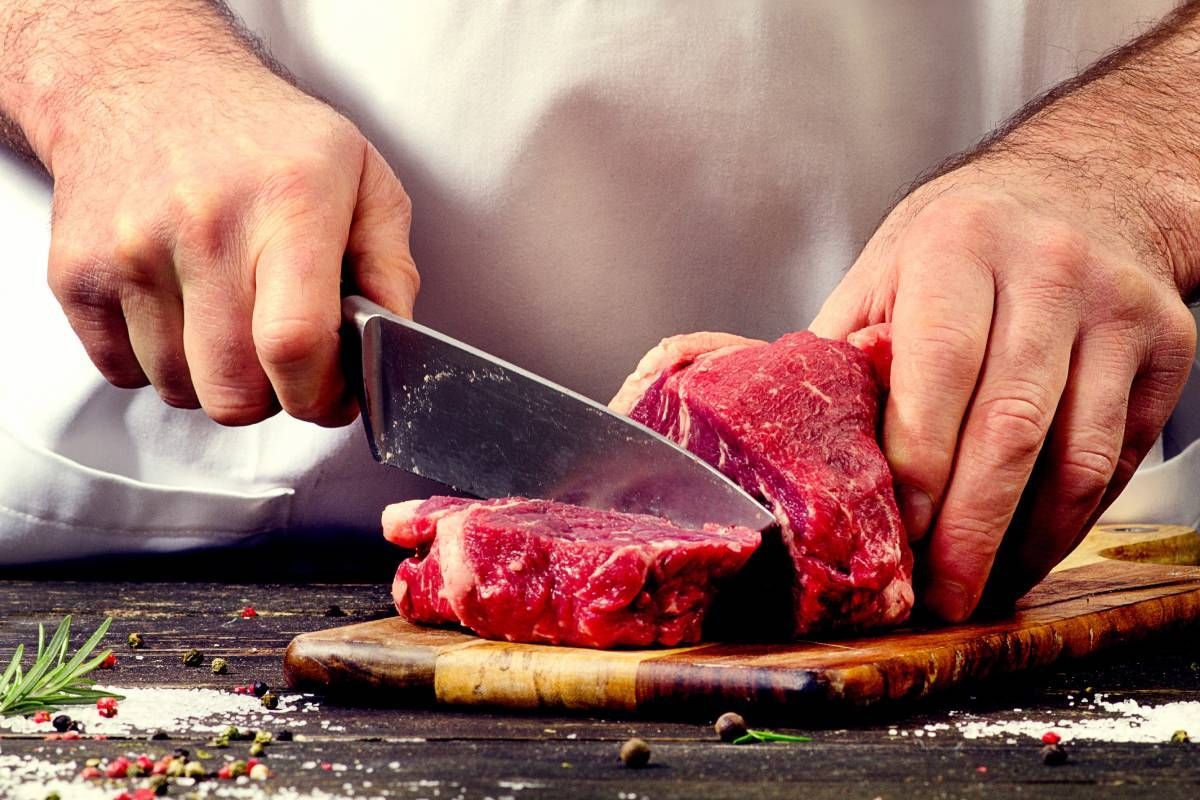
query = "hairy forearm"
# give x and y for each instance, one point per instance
(67, 67)
(1123, 138)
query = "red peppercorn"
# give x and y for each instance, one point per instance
(161, 766)
(91, 773)
(107, 706)
(325, 765)
(109, 662)
(124, 796)
(251, 763)
(41, 716)
(1050, 737)
(225, 773)
(145, 762)
(249, 612)
(117, 767)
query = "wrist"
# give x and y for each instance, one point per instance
(69, 72)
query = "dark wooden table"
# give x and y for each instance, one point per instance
(426, 753)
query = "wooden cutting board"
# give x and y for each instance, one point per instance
(1122, 584)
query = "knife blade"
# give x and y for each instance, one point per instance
(440, 408)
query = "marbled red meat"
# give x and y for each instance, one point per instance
(538, 571)
(794, 422)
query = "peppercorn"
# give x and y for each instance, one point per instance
(193, 658)
(61, 723)
(635, 753)
(1180, 737)
(75, 727)
(730, 726)
(159, 785)
(176, 768)
(107, 706)
(117, 768)
(91, 773)
(259, 772)
(237, 769)
(257, 749)
(159, 736)
(221, 742)
(270, 700)
(92, 762)
(41, 716)
(219, 666)
(194, 769)
(258, 688)
(262, 737)
(134, 770)
(53, 796)
(334, 611)
(283, 736)
(1051, 737)
(249, 612)
(1054, 755)
(231, 732)
(181, 752)
(109, 661)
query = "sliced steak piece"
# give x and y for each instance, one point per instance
(538, 571)
(794, 422)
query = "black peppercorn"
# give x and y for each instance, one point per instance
(1054, 755)
(158, 736)
(334, 611)
(283, 736)
(61, 723)
(730, 726)
(193, 658)
(260, 688)
(270, 700)
(76, 726)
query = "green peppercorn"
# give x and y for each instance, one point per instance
(134, 770)
(262, 737)
(158, 785)
(1180, 737)
(134, 640)
(219, 666)
(231, 733)
(53, 796)
(92, 762)
(635, 753)
(257, 749)
(237, 768)
(194, 769)
(221, 742)
(270, 700)
(193, 658)
(175, 768)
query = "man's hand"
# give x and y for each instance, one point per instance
(202, 208)
(1040, 341)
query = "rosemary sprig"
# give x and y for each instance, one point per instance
(53, 680)
(753, 736)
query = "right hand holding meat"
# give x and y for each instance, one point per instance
(198, 240)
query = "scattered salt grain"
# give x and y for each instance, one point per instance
(1122, 721)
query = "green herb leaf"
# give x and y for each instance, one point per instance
(50, 682)
(753, 736)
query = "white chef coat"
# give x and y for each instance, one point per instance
(587, 177)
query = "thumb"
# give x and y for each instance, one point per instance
(377, 250)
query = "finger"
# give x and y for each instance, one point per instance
(1027, 362)
(1078, 463)
(93, 309)
(377, 249)
(218, 341)
(940, 326)
(155, 321)
(297, 315)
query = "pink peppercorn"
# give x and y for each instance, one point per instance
(225, 773)
(109, 661)
(91, 773)
(1050, 737)
(117, 767)
(107, 706)
(145, 762)
(249, 612)
(41, 716)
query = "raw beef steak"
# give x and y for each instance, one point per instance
(538, 571)
(794, 423)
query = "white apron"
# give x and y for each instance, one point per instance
(587, 178)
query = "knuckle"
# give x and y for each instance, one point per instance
(1085, 471)
(207, 223)
(237, 407)
(971, 537)
(1015, 422)
(1063, 253)
(288, 342)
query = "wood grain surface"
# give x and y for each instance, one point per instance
(1122, 584)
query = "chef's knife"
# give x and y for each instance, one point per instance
(440, 408)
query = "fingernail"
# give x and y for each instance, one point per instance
(948, 600)
(916, 509)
